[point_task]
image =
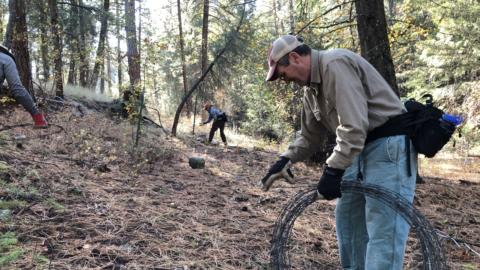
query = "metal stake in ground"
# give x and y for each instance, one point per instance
(432, 251)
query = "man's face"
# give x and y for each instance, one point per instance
(298, 71)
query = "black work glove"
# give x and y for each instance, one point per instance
(329, 184)
(281, 169)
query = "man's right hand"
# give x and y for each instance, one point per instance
(281, 169)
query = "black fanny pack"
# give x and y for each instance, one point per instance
(222, 117)
(422, 123)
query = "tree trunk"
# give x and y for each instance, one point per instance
(82, 47)
(182, 55)
(57, 47)
(109, 68)
(2, 15)
(391, 8)
(10, 25)
(41, 6)
(275, 16)
(100, 59)
(372, 32)
(291, 10)
(140, 33)
(19, 43)
(102, 79)
(281, 22)
(119, 52)
(72, 43)
(203, 60)
(132, 51)
(204, 53)
(72, 78)
(35, 59)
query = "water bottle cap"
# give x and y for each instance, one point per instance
(454, 119)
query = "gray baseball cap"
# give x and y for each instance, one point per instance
(280, 47)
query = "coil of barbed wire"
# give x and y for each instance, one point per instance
(431, 247)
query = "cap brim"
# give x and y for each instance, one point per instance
(272, 75)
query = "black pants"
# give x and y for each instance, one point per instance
(217, 125)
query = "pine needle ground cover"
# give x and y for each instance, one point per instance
(83, 198)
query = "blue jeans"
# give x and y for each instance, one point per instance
(371, 235)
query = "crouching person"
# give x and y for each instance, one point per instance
(219, 119)
(347, 96)
(8, 71)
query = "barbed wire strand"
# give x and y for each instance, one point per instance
(458, 242)
(58, 129)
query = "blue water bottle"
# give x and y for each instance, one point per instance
(454, 119)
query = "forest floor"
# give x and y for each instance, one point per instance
(79, 196)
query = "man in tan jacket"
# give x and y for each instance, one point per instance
(347, 96)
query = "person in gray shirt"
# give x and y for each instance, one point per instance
(8, 71)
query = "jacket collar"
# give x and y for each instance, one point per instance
(315, 68)
(315, 78)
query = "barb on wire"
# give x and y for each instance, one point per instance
(432, 250)
(458, 242)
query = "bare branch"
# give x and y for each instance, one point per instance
(323, 14)
(89, 8)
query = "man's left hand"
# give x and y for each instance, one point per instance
(329, 184)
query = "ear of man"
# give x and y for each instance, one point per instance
(295, 58)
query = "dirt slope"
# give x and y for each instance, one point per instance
(76, 196)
